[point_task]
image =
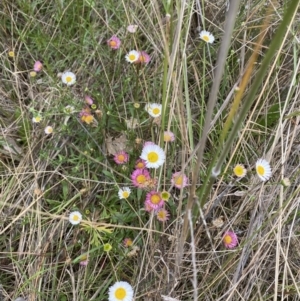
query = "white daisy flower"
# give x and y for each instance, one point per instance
(68, 78)
(263, 169)
(48, 130)
(154, 109)
(124, 193)
(37, 119)
(132, 56)
(69, 109)
(239, 170)
(153, 155)
(120, 291)
(75, 217)
(207, 36)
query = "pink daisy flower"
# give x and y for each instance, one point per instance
(121, 157)
(140, 177)
(127, 242)
(179, 180)
(38, 66)
(148, 207)
(169, 136)
(230, 240)
(140, 164)
(114, 42)
(154, 199)
(88, 100)
(162, 215)
(148, 143)
(144, 58)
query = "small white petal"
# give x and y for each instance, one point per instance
(263, 169)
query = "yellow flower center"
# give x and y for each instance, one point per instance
(76, 218)
(140, 165)
(68, 79)
(152, 157)
(205, 38)
(142, 59)
(155, 199)
(87, 119)
(260, 170)
(141, 179)
(156, 111)
(161, 214)
(178, 180)
(132, 57)
(125, 194)
(120, 293)
(239, 170)
(121, 158)
(227, 239)
(112, 43)
(38, 119)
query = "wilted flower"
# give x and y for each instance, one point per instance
(127, 242)
(38, 66)
(88, 100)
(107, 247)
(179, 180)
(132, 28)
(239, 170)
(48, 130)
(169, 136)
(140, 164)
(165, 195)
(162, 215)
(144, 58)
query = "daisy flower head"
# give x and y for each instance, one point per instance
(75, 217)
(144, 58)
(124, 193)
(37, 119)
(154, 200)
(69, 109)
(263, 169)
(120, 291)
(154, 109)
(165, 195)
(132, 28)
(148, 207)
(121, 157)
(207, 36)
(48, 130)
(140, 177)
(88, 100)
(38, 66)
(132, 56)
(239, 170)
(162, 215)
(114, 42)
(68, 78)
(179, 180)
(153, 155)
(127, 242)
(32, 74)
(140, 164)
(230, 239)
(169, 136)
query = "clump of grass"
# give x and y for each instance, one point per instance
(104, 190)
